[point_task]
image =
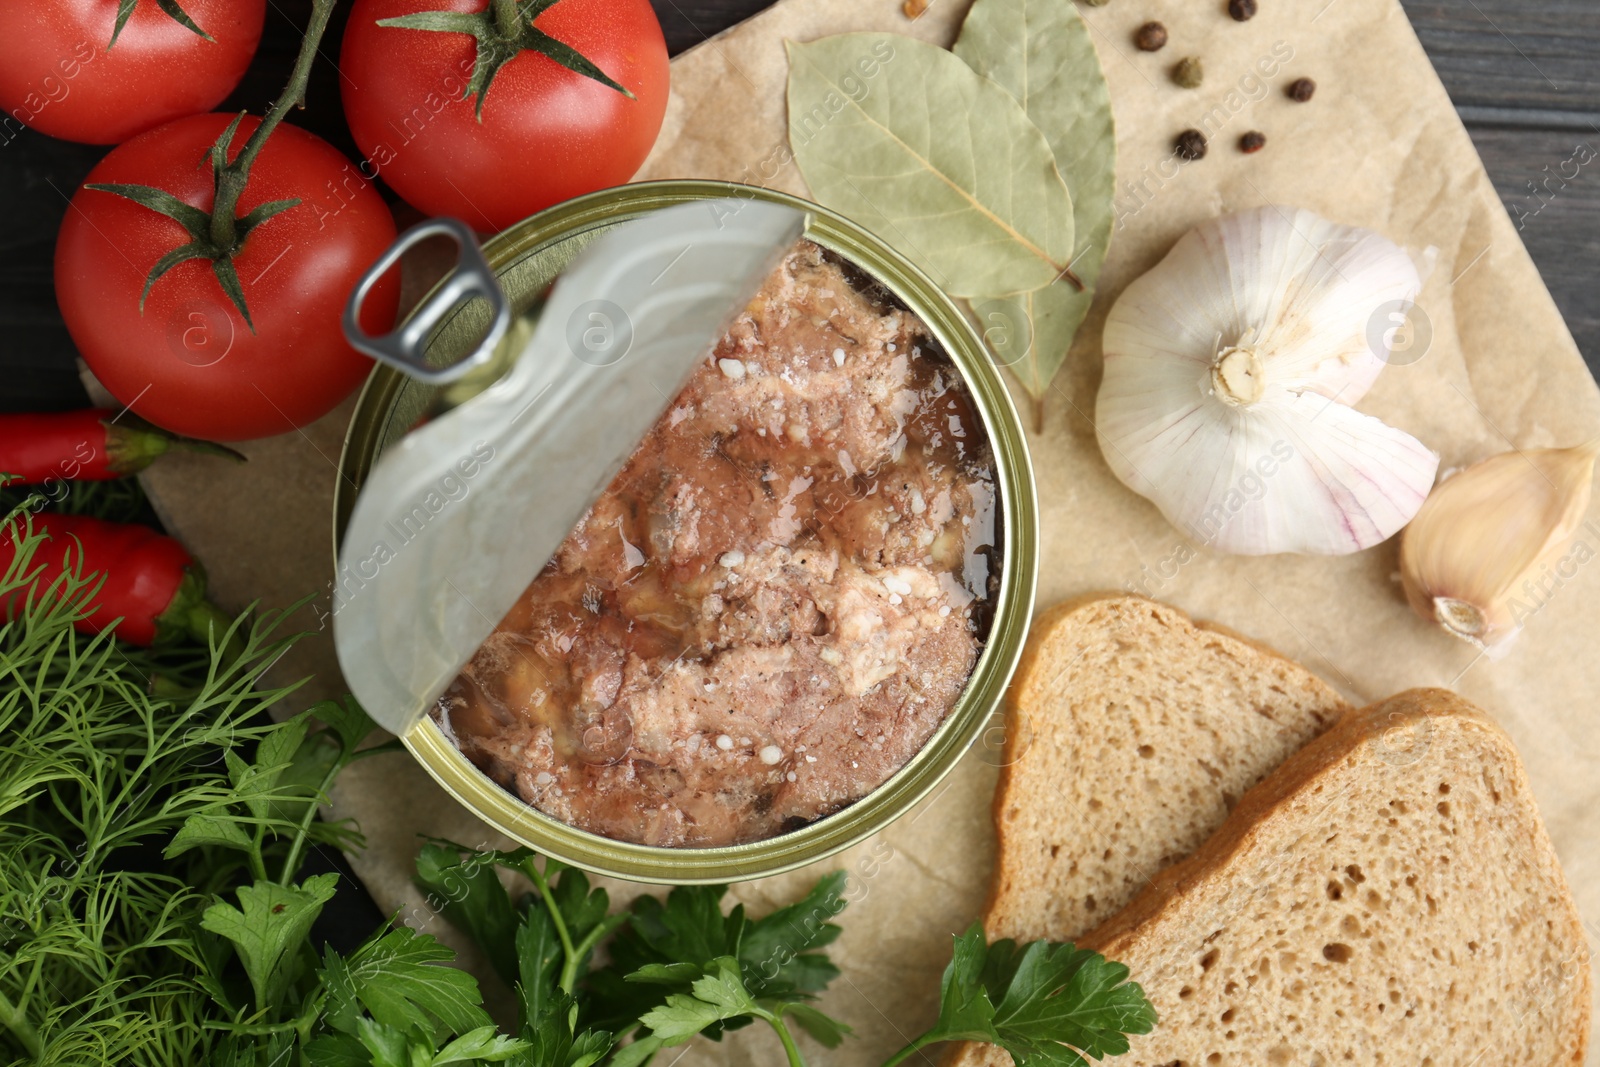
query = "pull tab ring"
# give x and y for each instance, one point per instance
(403, 348)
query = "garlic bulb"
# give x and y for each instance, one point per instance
(1229, 368)
(1489, 547)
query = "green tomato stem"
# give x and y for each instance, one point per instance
(508, 18)
(224, 232)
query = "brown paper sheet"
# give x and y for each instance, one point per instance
(1380, 146)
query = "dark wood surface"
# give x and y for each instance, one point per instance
(1525, 75)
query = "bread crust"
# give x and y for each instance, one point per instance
(1029, 678)
(1210, 870)
(1153, 917)
(1026, 676)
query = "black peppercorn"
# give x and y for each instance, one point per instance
(1254, 141)
(1242, 10)
(1151, 37)
(1190, 145)
(1301, 89)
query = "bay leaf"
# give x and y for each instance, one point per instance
(1041, 53)
(939, 161)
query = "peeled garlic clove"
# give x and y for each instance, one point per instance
(1227, 370)
(1475, 558)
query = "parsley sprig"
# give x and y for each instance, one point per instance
(1045, 1003)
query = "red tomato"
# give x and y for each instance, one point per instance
(548, 133)
(189, 363)
(57, 75)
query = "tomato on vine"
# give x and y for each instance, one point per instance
(491, 110)
(208, 298)
(101, 71)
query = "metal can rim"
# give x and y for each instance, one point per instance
(990, 675)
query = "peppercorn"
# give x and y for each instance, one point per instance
(1190, 145)
(1242, 10)
(1188, 72)
(1254, 141)
(1151, 37)
(913, 8)
(1301, 89)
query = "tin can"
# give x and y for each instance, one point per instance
(526, 258)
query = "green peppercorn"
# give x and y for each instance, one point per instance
(1188, 72)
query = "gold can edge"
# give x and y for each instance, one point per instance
(985, 686)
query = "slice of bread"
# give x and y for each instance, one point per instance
(1387, 896)
(1131, 733)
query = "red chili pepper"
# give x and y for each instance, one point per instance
(92, 445)
(153, 590)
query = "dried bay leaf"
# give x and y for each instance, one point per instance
(938, 160)
(1041, 53)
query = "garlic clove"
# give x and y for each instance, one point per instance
(1298, 474)
(1250, 336)
(1475, 558)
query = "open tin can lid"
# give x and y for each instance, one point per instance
(460, 515)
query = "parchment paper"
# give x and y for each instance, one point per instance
(1379, 146)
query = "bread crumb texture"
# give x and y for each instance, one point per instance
(1388, 896)
(1133, 733)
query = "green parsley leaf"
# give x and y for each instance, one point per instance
(1051, 995)
(689, 926)
(965, 1011)
(467, 891)
(667, 944)
(661, 951)
(389, 1047)
(551, 1042)
(1047, 1004)
(681, 1017)
(398, 979)
(682, 974)
(267, 929)
(723, 987)
(200, 829)
(337, 1050)
(717, 995)
(347, 719)
(773, 950)
(824, 1029)
(252, 784)
(277, 750)
(483, 1045)
(636, 1052)
(539, 957)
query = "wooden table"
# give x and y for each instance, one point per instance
(1525, 76)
